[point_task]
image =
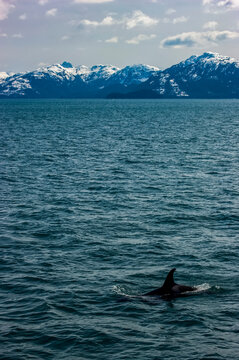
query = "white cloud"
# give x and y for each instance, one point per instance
(179, 20)
(87, 22)
(17, 36)
(198, 39)
(210, 25)
(23, 17)
(92, 1)
(42, 2)
(51, 12)
(3, 35)
(65, 37)
(141, 37)
(216, 6)
(176, 20)
(5, 8)
(139, 18)
(112, 40)
(107, 21)
(170, 11)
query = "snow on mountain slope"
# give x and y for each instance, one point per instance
(96, 78)
(101, 72)
(134, 74)
(205, 64)
(58, 71)
(215, 59)
(208, 75)
(14, 84)
(4, 75)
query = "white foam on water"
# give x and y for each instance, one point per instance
(201, 288)
(119, 290)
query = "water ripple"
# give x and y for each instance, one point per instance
(99, 199)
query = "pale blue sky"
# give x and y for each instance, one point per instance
(118, 32)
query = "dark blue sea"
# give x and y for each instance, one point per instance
(99, 200)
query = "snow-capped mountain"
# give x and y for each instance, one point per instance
(65, 80)
(4, 75)
(101, 72)
(133, 74)
(209, 75)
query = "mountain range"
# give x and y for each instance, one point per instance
(209, 75)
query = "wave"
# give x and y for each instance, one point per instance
(204, 288)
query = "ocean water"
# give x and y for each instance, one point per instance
(99, 200)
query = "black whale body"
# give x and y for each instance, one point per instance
(170, 288)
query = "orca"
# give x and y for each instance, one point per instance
(170, 288)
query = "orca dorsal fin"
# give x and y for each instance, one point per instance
(169, 281)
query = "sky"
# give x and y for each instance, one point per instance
(35, 33)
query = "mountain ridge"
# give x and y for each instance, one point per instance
(209, 75)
